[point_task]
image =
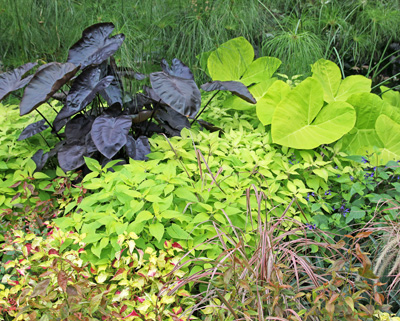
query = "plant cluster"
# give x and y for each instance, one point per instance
(50, 281)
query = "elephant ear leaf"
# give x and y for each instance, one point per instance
(389, 133)
(235, 87)
(40, 159)
(71, 156)
(334, 88)
(180, 94)
(109, 134)
(302, 121)
(12, 80)
(230, 60)
(44, 84)
(137, 149)
(83, 91)
(95, 46)
(177, 69)
(33, 129)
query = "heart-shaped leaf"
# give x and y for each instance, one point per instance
(83, 91)
(363, 137)
(33, 129)
(95, 46)
(260, 70)
(70, 156)
(177, 69)
(266, 104)
(77, 128)
(233, 60)
(257, 91)
(390, 96)
(137, 149)
(109, 134)
(389, 133)
(44, 84)
(302, 121)
(235, 87)
(178, 93)
(12, 80)
(230, 60)
(112, 93)
(172, 121)
(329, 76)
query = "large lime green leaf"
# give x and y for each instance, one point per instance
(257, 91)
(390, 96)
(266, 105)
(302, 121)
(230, 60)
(335, 89)
(362, 139)
(233, 60)
(260, 69)
(389, 133)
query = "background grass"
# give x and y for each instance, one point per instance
(354, 31)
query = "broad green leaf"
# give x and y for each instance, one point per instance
(260, 70)
(328, 75)
(389, 133)
(362, 138)
(176, 232)
(257, 91)
(157, 230)
(92, 237)
(353, 85)
(300, 120)
(230, 60)
(265, 107)
(390, 96)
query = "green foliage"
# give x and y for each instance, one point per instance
(302, 121)
(49, 280)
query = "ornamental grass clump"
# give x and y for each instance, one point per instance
(279, 276)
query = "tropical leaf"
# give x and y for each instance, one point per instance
(233, 61)
(83, 91)
(389, 133)
(177, 69)
(95, 46)
(70, 156)
(109, 134)
(77, 128)
(180, 94)
(302, 121)
(33, 129)
(12, 80)
(230, 60)
(335, 89)
(257, 91)
(235, 87)
(44, 84)
(267, 103)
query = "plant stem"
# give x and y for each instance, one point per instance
(47, 143)
(198, 115)
(51, 126)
